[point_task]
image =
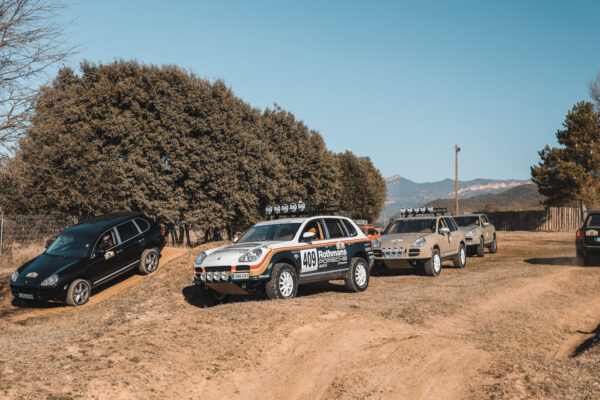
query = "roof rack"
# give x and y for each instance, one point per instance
(418, 211)
(297, 208)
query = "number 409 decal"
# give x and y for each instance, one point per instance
(309, 260)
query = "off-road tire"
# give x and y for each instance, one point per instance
(481, 247)
(357, 279)
(432, 266)
(460, 260)
(219, 297)
(494, 246)
(149, 261)
(278, 287)
(79, 292)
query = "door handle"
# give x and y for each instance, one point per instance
(141, 240)
(119, 251)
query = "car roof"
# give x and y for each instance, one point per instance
(469, 215)
(102, 222)
(421, 217)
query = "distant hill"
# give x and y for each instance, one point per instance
(523, 197)
(402, 192)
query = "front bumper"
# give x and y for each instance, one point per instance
(413, 253)
(474, 241)
(38, 294)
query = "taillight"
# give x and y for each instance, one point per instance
(579, 234)
(163, 230)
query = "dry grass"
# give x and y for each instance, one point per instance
(16, 255)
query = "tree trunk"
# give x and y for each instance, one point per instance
(187, 237)
(181, 231)
(583, 210)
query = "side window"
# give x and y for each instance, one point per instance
(106, 241)
(314, 226)
(441, 224)
(451, 224)
(349, 227)
(142, 223)
(127, 231)
(335, 228)
(483, 219)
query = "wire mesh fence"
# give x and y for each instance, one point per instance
(17, 231)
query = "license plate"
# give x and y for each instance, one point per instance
(26, 296)
(240, 275)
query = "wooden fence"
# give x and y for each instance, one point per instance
(553, 219)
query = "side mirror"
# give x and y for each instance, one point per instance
(308, 236)
(445, 230)
(98, 253)
(235, 239)
(486, 224)
(109, 254)
(48, 243)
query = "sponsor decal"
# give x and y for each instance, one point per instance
(332, 257)
(32, 275)
(340, 245)
(309, 260)
(591, 232)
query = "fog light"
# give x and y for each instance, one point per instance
(224, 276)
(216, 276)
(203, 276)
(209, 276)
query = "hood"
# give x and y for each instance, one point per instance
(400, 239)
(229, 255)
(42, 267)
(466, 229)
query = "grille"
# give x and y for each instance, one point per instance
(377, 253)
(242, 268)
(414, 252)
(218, 269)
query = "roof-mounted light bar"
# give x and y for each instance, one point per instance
(423, 210)
(298, 208)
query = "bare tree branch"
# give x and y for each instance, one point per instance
(595, 91)
(30, 41)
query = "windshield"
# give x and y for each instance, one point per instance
(469, 220)
(70, 244)
(270, 232)
(411, 226)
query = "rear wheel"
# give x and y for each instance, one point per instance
(433, 266)
(357, 279)
(481, 247)
(283, 283)
(149, 261)
(460, 260)
(79, 292)
(494, 246)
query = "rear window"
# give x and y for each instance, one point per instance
(593, 220)
(127, 231)
(335, 228)
(142, 223)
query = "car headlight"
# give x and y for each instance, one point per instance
(199, 259)
(470, 234)
(376, 244)
(420, 242)
(14, 276)
(250, 256)
(50, 281)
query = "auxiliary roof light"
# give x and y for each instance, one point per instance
(269, 210)
(293, 207)
(409, 210)
(277, 209)
(301, 206)
(422, 209)
(284, 208)
(430, 209)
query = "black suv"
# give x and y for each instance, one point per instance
(90, 254)
(587, 238)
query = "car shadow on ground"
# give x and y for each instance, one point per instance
(198, 296)
(561, 261)
(589, 343)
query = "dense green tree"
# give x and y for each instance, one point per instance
(570, 174)
(181, 149)
(364, 189)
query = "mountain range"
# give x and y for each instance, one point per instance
(402, 192)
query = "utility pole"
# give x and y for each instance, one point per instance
(456, 150)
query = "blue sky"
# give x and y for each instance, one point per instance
(400, 82)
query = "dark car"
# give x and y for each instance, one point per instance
(90, 254)
(587, 239)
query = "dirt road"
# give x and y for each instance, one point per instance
(507, 326)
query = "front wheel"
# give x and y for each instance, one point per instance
(357, 279)
(460, 260)
(380, 268)
(480, 248)
(283, 283)
(433, 266)
(149, 261)
(79, 292)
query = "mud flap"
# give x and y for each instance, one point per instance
(226, 288)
